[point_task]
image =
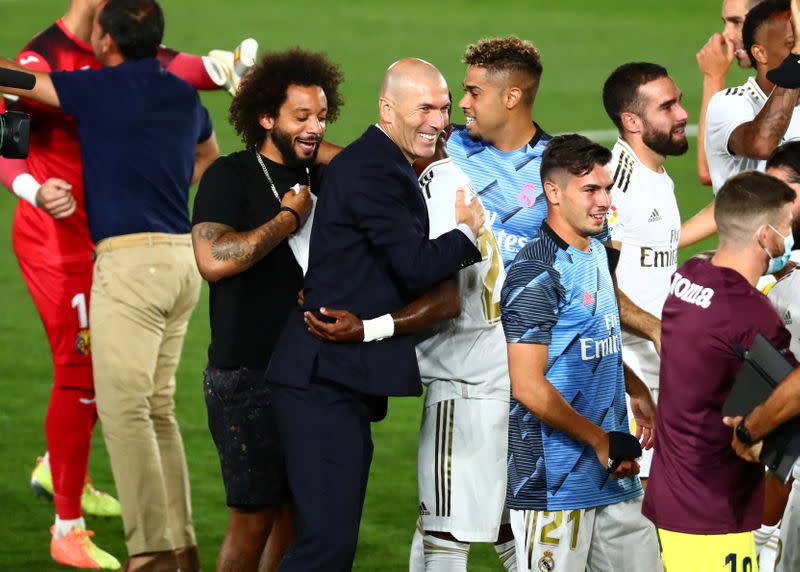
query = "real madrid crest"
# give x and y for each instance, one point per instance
(546, 562)
(82, 344)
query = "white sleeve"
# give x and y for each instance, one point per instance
(724, 114)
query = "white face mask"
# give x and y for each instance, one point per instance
(776, 263)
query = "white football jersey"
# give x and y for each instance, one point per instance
(728, 109)
(644, 218)
(466, 356)
(785, 297)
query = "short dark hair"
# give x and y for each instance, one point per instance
(756, 17)
(263, 89)
(621, 90)
(136, 26)
(788, 157)
(508, 55)
(748, 200)
(574, 154)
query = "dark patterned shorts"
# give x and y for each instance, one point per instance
(240, 418)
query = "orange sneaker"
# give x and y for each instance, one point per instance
(77, 549)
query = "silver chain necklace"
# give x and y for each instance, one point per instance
(271, 184)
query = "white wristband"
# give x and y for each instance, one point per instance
(378, 328)
(26, 187)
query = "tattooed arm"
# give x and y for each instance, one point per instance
(221, 251)
(759, 137)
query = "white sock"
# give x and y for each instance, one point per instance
(767, 538)
(46, 460)
(416, 556)
(445, 555)
(762, 536)
(507, 554)
(63, 527)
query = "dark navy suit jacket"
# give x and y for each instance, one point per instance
(369, 254)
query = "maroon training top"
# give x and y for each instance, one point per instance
(697, 483)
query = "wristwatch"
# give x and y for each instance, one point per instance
(743, 434)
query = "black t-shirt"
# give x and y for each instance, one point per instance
(248, 310)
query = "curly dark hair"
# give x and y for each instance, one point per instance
(510, 55)
(263, 89)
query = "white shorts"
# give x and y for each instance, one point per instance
(461, 468)
(641, 357)
(615, 538)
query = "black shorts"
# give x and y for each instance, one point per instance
(240, 418)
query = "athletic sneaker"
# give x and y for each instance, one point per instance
(93, 502)
(77, 549)
(228, 68)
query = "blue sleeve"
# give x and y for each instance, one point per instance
(530, 302)
(204, 120)
(79, 91)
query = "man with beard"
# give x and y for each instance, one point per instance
(249, 208)
(645, 105)
(744, 124)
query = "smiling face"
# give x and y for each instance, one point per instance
(299, 128)
(581, 202)
(416, 115)
(663, 117)
(482, 104)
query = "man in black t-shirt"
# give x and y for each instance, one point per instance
(250, 236)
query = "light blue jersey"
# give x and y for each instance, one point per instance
(508, 184)
(562, 297)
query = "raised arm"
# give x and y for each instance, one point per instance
(759, 137)
(714, 61)
(43, 91)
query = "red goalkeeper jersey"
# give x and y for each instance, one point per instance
(55, 152)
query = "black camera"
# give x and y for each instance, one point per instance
(15, 134)
(15, 126)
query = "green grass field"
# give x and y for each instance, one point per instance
(580, 42)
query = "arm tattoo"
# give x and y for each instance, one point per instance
(243, 249)
(768, 127)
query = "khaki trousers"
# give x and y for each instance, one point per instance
(144, 289)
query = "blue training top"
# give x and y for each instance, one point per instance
(509, 185)
(563, 298)
(138, 127)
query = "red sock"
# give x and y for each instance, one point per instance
(68, 427)
(191, 69)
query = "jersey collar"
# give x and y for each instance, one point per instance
(560, 242)
(753, 84)
(625, 147)
(80, 43)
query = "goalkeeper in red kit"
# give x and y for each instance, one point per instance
(55, 254)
